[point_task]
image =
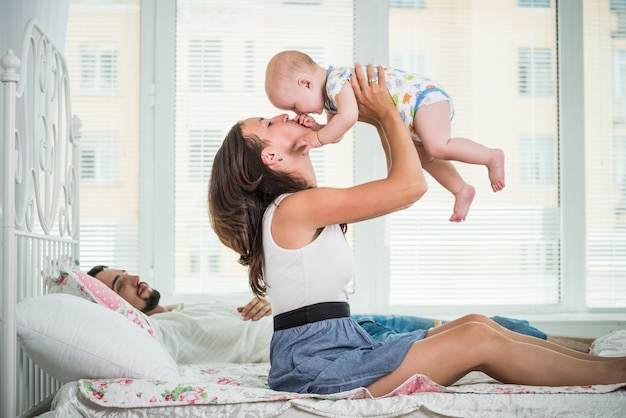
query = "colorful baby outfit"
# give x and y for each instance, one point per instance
(409, 91)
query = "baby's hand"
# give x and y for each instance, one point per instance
(308, 121)
(308, 141)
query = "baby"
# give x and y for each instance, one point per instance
(293, 81)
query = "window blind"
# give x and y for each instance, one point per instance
(102, 50)
(497, 61)
(605, 151)
(222, 49)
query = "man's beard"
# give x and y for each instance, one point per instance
(152, 301)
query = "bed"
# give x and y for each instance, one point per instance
(73, 348)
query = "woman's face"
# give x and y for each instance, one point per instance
(280, 134)
(280, 131)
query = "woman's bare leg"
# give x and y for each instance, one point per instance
(582, 345)
(474, 346)
(432, 124)
(515, 336)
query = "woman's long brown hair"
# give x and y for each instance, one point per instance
(240, 189)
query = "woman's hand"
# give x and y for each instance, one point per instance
(256, 309)
(371, 93)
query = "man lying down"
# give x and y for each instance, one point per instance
(218, 331)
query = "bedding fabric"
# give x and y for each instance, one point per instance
(229, 390)
(212, 332)
(240, 390)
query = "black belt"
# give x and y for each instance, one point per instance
(311, 313)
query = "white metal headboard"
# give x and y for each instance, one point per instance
(39, 198)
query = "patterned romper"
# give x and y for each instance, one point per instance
(409, 91)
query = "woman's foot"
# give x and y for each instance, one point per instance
(495, 166)
(462, 202)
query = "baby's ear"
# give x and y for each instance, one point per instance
(305, 82)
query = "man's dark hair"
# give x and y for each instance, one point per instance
(95, 270)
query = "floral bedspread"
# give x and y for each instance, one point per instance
(242, 383)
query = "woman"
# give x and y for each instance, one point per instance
(265, 204)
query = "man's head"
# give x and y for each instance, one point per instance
(129, 287)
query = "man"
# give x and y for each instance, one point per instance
(214, 331)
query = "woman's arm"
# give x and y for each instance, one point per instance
(384, 142)
(385, 117)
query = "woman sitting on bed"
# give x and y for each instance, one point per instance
(265, 205)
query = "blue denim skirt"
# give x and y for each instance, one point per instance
(331, 356)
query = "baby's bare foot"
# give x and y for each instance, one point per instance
(495, 166)
(462, 202)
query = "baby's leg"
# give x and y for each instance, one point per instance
(445, 173)
(432, 124)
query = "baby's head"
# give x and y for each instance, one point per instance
(282, 74)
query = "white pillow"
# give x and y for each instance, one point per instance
(612, 344)
(71, 338)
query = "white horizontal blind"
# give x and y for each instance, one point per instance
(222, 49)
(498, 62)
(605, 151)
(102, 50)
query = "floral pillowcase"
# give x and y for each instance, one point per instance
(65, 279)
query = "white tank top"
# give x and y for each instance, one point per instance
(318, 272)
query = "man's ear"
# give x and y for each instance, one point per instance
(269, 156)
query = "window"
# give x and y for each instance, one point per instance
(507, 252)
(619, 172)
(537, 161)
(618, 7)
(224, 51)
(102, 52)
(118, 251)
(98, 70)
(514, 249)
(619, 178)
(302, 2)
(407, 4)
(205, 64)
(535, 72)
(605, 130)
(533, 3)
(412, 61)
(619, 84)
(97, 159)
(202, 148)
